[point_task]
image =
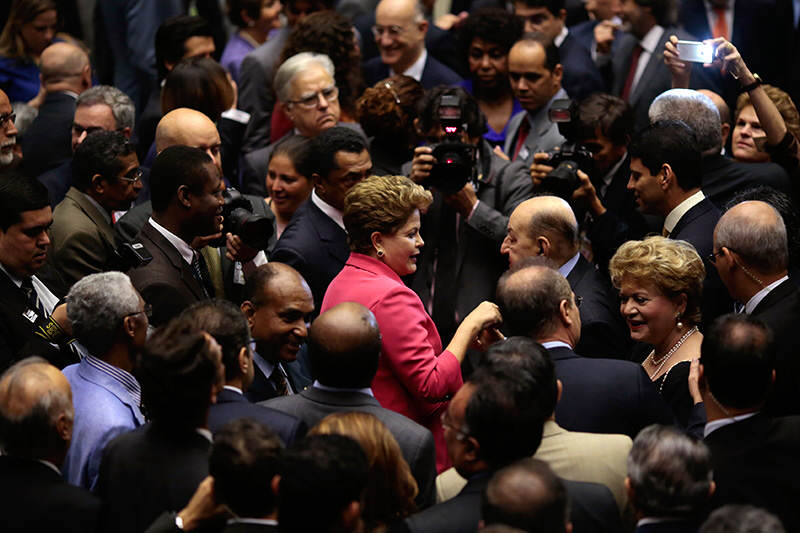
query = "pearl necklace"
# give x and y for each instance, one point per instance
(671, 351)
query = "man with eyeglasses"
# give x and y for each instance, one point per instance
(65, 73)
(110, 319)
(8, 133)
(399, 31)
(106, 180)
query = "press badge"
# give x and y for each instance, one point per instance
(523, 153)
(31, 315)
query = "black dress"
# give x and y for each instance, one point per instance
(674, 388)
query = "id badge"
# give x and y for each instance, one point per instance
(31, 315)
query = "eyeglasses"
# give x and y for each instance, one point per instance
(393, 31)
(147, 310)
(5, 118)
(133, 176)
(712, 257)
(578, 301)
(79, 130)
(311, 101)
(461, 434)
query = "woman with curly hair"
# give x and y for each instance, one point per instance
(387, 111)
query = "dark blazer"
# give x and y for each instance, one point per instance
(296, 374)
(606, 395)
(33, 497)
(48, 140)
(780, 310)
(167, 282)
(583, 33)
(581, 75)
(148, 471)
(415, 441)
(603, 332)
(456, 515)
(755, 461)
(315, 246)
(723, 178)
(231, 406)
(435, 73)
(592, 507)
(58, 180)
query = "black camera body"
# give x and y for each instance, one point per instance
(240, 220)
(454, 158)
(570, 157)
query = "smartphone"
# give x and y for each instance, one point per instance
(696, 51)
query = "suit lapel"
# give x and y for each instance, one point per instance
(175, 259)
(692, 214)
(774, 296)
(329, 232)
(513, 130)
(578, 272)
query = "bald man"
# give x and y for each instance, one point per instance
(546, 226)
(65, 74)
(37, 414)
(344, 345)
(751, 255)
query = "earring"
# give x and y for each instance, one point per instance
(678, 322)
(380, 252)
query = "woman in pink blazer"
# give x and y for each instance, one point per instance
(415, 376)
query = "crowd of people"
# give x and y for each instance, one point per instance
(399, 266)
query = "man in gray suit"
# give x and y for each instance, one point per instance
(535, 72)
(344, 345)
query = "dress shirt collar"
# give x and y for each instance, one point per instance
(657, 520)
(237, 390)
(182, 246)
(722, 422)
(16, 280)
(649, 42)
(760, 295)
(206, 434)
(267, 368)
(50, 465)
(415, 70)
(46, 297)
(73, 94)
(119, 375)
(567, 267)
(555, 344)
(320, 386)
(260, 521)
(327, 208)
(712, 16)
(99, 207)
(681, 209)
(561, 36)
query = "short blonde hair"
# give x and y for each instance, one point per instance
(382, 204)
(391, 487)
(782, 101)
(673, 267)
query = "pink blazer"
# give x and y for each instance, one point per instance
(415, 377)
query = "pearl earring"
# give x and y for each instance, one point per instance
(679, 324)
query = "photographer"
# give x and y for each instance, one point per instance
(604, 206)
(474, 194)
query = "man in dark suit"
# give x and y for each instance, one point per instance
(158, 466)
(599, 11)
(187, 203)
(399, 30)
(278, 306)
(546, 226)
(31, 322)
(65, 73)
(581, 76)
(315, 242)
(750, 252)
(669, 480)
(36, 412)
(754, 456)
(600, 395)
(344, 346)
(225, 322)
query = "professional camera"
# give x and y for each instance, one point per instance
(240, 220)
(454, 158)
(569, 157)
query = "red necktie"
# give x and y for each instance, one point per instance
(721, 26)
(637, 52)
(522, 134)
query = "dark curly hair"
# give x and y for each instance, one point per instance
(387, 110)
(491, 24)
(330, 33)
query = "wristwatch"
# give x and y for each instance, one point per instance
(756, 83)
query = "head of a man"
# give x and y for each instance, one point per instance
(640, 16)
(546, 16)
(102, 108)
(245, 463)
(399, 31)
(750, 248)
(36, 412)
(105, 167)
(8, 131)
(543, 225)
(306, 88)
(536, 301)
(669, 474)
(188, 127)
(429, 126)
(342, 160)
(734, 518)
(534, 70)
(227, 324)
(527, 495)
(25, 217)
(182, 37)
(278, 305)
(107, 313)
(696, 110)
(65, 67)
(344, 345)
(665, 166)
(603, 9)
(604, 124)
(297, 10)
(186, 189)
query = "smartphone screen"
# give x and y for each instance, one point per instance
(695, 51)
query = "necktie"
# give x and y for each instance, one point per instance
(721, 25)
(32, 298)
(637, 52)
(278, 381)
(200, 273)
(214, 265)
(522, 134)
(665, 232)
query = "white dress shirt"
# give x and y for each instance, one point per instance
(328, 209)
(649, 43)
(753, 302)
(416, 68)
(681, 209)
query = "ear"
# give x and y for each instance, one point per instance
(560, 387)
(377, 239)
(423, 26)
(97, 184)
(248, 20)
(629, 488)
(316, 179)
(472, 449)
(558, 72)
(562, 14)
(418, 128)
(564, 308)
(351, 516)
(64, 427)
(730, 256)
(544, 245)
(129, 326)
(726, 130)
(244, 360)
(184, 197)
(275, 484)
(169, 65)
(667, 177)
(249, 311)
(681, 301)
(126, 131)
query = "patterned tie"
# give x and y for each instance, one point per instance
(278, 381)
(626, 91)
(522, 134)
(721, 25)
(200, 273)
(32, 298)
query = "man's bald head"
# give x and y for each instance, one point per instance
(722, 107)
(755, 231)
(344, 345)
(35, 410)
(188, 127)
(65, 66)
(544, 225)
